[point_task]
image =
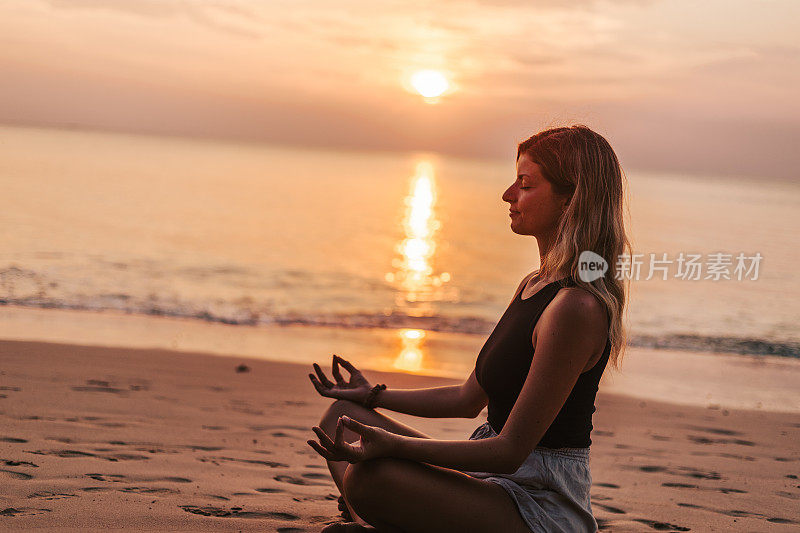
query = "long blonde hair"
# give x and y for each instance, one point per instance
(580, 163)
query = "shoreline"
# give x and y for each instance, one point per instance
(151, 439)
(711, 380)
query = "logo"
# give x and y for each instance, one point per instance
(591, 266)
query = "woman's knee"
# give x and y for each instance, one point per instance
(339, 408)
(365, 480)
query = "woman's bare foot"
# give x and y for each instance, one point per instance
(347, 527)
(345, 511)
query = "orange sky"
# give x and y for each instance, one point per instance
(680, 85)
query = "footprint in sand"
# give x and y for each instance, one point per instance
(608, 485)
(216, 460)
(735, 456)
(28, 511)
(111, 478)
(681, 471)
(9, 462)
(270, 490)
(150, 490)
(196, 447)
(294, 480)
(99, 389)
(782, 521)
(117, 478)
(723, 490)
(609, 508)
(62, 440)
(12, 389)
(661, 526)
(14, 440)
(236, 512)
(96, 385)
(715, 431)
(50, 495)
(217, 497)
(16, 475)
(316, 475)
(68, 454)
(740, 513)
(705, 440)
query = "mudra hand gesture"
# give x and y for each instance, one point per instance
(373, 442)
(355, 390)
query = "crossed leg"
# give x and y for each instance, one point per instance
(365, 416)
(397, 495)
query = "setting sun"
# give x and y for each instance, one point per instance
(429, 83)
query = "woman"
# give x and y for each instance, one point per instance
(526, 468)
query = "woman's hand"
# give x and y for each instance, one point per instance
(373, 442)
(355, 390)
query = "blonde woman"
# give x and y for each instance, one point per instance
(527, 468)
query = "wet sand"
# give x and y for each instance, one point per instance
(95, 437)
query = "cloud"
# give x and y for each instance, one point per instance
(234, 19)
(295, 72)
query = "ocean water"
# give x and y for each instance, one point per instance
(255, 234)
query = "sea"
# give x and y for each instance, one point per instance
(258, 235)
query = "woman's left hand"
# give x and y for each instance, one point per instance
(373, 442)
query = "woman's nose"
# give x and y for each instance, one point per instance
(508, 196)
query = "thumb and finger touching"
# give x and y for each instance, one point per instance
(337, 375)
(347, 365)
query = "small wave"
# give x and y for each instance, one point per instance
(701, 343)
(234, 315)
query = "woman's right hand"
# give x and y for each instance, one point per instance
(356, 390)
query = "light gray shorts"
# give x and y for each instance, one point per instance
(551, 488)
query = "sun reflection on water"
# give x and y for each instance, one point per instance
(417, 285)
(414, 276)
(410, 357)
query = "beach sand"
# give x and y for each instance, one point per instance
(149, 439)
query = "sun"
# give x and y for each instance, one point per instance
(429, 83)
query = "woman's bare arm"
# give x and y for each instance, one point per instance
(454, 401)
(560, 357)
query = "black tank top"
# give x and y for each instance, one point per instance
(504, 362)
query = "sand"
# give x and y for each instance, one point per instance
(149, 439)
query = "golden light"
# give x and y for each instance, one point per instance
(418, 286)
(429, 83)
(413, 333)
(410, 357)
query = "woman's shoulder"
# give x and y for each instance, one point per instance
(579, 308)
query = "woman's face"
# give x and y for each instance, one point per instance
(534, 207)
